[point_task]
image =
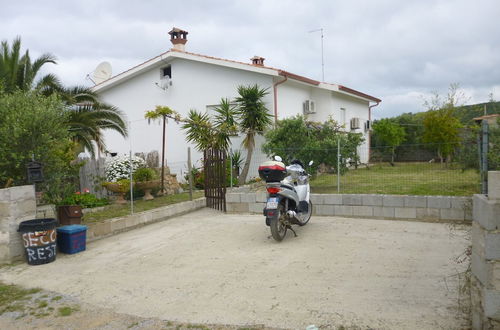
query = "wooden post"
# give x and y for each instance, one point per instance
(190, 175)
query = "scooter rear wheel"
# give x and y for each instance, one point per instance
(278, 226)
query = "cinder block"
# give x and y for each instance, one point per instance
(494, 185)
(261, 196)
(4, 209)
(491, 303)
(333, 199)
(22, 192)
(237, 207)
(405, 212)
(495, 278)
(324, 210)
(24, 208)
(352, 199)
(415, 201)
(478, 235)
(439, 202)
(461, 202)
(430, 214)
(131, 222)
(393, 200)
(233, 198)
(486, 212)
(256, 208)
(118, 224)
(362, 211)
(372, 200)
(343, 210)
(480, 269)
(102, 229)
(452, 214)
(317, 199)
(492, 246)
(5, 194)
(248, 198)
(384, 212)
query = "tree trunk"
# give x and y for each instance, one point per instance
(392, 156)
(440, 156)
(246, 168)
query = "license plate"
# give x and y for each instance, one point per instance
(272, 203)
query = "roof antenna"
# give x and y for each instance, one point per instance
(322, 57)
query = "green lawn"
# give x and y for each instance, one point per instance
(402, 179)
(113, 211)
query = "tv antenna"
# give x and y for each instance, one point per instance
(101, 73)
(322, 57)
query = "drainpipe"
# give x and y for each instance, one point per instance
(275, 90)
(370, 131)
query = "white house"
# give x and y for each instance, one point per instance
(184, 81)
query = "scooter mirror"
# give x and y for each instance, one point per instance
(278, 158)
(311, 162)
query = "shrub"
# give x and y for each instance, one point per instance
(119, 167)
(144, 174)
(85, 200)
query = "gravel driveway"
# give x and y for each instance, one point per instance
(209, 267)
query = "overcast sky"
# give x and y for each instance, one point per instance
(398, 51)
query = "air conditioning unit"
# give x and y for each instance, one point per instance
(368, 126)
(309, 107)
(354, 123)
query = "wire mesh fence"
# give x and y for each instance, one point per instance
(408, 170)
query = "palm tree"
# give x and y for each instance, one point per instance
(18, 71)
(254, 119)
(87, 116)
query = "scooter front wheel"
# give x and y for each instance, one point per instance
(304, 218)
(278, 226)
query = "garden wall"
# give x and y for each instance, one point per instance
(16, 204)
(428, 208)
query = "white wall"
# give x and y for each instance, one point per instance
(194, 86)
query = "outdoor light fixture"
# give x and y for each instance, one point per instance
(35, 173)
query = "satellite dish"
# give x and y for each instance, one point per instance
(101, 73)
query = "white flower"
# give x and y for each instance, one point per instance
(119, 167)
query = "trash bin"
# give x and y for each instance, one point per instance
(72, 239)
(39, 239)
(69, 214)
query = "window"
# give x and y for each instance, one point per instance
(166, 72)
(342, 116)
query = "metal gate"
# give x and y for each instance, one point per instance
(215, 178)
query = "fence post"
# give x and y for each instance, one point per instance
(338, 165)
(190, 175)
(231, 170)
(484, 157)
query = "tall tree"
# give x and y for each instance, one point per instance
(19, 71)
(254, 119)
(441, 126)
(389, 133)
(87, 116)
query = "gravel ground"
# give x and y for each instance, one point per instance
(211, 268)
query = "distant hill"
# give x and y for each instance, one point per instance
(467, 112)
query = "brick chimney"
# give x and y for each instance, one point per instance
(178, 38)
(257, 60)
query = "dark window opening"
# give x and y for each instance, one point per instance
(167, 71)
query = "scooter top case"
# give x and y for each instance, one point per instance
(272, 171)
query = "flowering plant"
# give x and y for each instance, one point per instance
(85, 200)
(119, 167)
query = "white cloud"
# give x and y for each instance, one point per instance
(389, 49)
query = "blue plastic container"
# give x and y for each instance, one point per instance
(72, 239)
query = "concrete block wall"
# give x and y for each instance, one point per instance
(485, 259)
(429, 208)
(117, 225)
(16, 204)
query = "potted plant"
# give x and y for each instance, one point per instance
(60, 193)
(145, 179)
(120, 187)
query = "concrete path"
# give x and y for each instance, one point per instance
(209, 267)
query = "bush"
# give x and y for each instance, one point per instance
(144, 174)
(85, 200)
(119, 167)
